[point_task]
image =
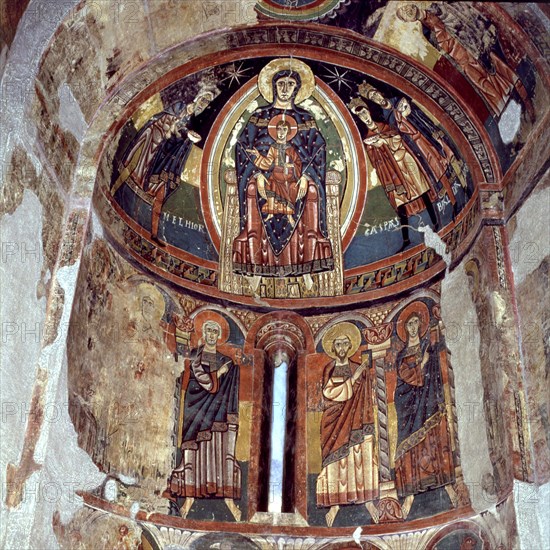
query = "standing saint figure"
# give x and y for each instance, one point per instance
(424, 457)
(349, 472)
(208, 467)
(281, 169)
(157, 157)
(400, 174)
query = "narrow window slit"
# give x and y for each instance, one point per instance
(278, 437)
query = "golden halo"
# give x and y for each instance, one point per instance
(265, 79)
(416, 308)
(340, 330)
(272, 127)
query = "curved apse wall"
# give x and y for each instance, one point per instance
(143, 303)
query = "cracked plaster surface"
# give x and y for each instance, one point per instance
(17, 84)
(70, 114)
(533, 518)
(530, 241)
(529, 247)
(22, 321)
(59, 466)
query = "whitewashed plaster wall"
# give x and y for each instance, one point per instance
(529, 247)
(53, 476)
(463, 339)
(530, 241)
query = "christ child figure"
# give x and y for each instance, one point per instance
(285, 185)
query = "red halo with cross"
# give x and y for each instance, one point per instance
(272, 127)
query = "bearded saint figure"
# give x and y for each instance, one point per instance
(349, 472)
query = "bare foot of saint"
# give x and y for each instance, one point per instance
(184, 510)
(331, 515)
(235, 512)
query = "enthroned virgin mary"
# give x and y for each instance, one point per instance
(281, 172)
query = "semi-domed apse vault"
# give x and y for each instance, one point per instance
(296, 258)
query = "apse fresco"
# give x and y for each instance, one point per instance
(370, 395)
(175, 356)
(208, 422)
(278, 220)
(380, 400)
(270, 176)
(496, 78)
(471, 46)
(298, 10)
(370, 400)
(281, 176)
